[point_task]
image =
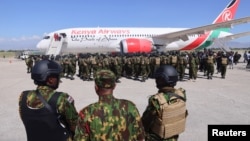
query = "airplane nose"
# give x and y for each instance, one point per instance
(40, 45)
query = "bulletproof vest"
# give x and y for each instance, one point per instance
(181, 60)
(106, 62)
(165, 60)
(174, 59)
(210, 60)
(172, 119)
(41, 124)
(93, 61)
(157, 60)
(223, 61)
(138, 60)
(142, 61)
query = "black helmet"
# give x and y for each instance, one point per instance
(43, 69)
(194, 54)
(166, 75)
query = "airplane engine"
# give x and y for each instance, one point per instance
(131, 45)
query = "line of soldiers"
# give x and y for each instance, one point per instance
(137, 66)
(141, 66)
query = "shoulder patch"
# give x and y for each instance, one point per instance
(70, 99)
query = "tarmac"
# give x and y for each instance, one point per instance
(216, 101)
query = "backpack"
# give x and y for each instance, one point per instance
(173, 115)
(49, 122)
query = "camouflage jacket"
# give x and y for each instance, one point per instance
(109, 119)
(65, 104)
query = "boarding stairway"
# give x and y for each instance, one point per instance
(56, 46)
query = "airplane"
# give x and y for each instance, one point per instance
(131, 40)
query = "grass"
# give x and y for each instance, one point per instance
(8, 54)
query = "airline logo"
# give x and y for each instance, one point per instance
(227, 16)
(100, 31)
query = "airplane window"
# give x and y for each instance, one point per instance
(46, 37)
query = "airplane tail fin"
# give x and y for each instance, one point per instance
(228, 13)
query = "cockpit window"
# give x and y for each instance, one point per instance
(46, 37)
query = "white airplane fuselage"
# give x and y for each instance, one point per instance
(109, 39)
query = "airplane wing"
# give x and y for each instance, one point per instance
(234, 36)
(183, 34)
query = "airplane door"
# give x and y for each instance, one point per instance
(64, 39)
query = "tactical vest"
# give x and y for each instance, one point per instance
(142, 61)
(128, 61)
(181, 61)
(223, 61)
(41, 124)
(138, 60)
(157, 60)
(173, 114)
(106, 62)
(174, 59)
(93, 61)
(147, 61)
(210, 60)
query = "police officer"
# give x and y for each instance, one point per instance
(210, 65)
(108, 119)
(224, 63)
(29, 63)
(193, 66)
(46, 114)
(166, 78)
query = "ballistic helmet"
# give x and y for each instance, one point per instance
(166, 75)
(44, 68)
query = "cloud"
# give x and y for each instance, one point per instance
(20, 43)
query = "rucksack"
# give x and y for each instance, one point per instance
(173, 115)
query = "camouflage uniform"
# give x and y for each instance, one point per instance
(193, 66)
(156, 63)
(109, 119)
(152, 111)
(29, 63)
(210, 66)
(65, 105)
(224, 63)
(72, 66)
(144, 67)
(128, 66)
(66, 68)
(181, 65)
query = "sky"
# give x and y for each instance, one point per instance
(24, 22)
